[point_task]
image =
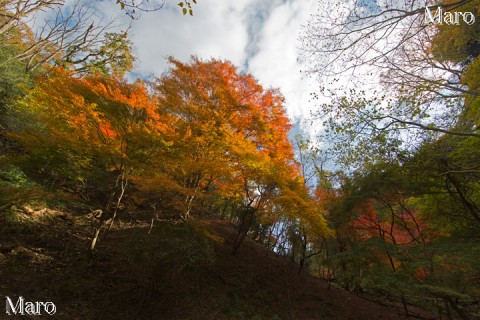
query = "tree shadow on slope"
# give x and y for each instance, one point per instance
(177, 271)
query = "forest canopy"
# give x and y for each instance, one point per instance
(397, 215)
(406, 194)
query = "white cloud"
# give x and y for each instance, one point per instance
(216, 30)
(276, 63)
(258, 36)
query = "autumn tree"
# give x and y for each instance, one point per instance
(88, 136)
(389, 222)
(205, 138)
(402, 121)
(217, 116)
(232, 149)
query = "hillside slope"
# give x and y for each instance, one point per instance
(175, 272)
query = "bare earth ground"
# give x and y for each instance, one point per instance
(47, 260)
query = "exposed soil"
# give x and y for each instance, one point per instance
(47, 260)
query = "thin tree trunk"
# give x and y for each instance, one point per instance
(189, 202)
(123, 186)
(456, 308)
(303, 257)
(243, 229)
(95, 237)
(151, 225)
(103, 217)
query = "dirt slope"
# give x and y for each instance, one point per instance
(47, 261)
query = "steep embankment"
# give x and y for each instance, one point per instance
(175, 272)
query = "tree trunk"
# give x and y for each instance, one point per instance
(303, 253)
(122, 182)
(123, 186)
(245, 223)
(189, 203)
(95, 237)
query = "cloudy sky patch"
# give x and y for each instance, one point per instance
(260, 37)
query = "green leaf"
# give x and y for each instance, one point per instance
(191, 12)
(184, 10)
